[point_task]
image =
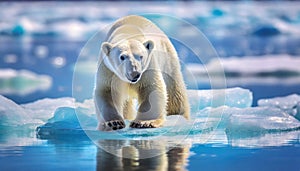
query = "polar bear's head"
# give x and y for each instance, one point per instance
(128, 59)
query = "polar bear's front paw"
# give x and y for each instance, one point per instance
(113, 125)
(146, 124)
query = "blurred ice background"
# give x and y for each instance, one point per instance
(258, 43)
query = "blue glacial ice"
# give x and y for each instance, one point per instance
(44, 109)
(266, 30)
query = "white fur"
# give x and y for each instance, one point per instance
(135, 46)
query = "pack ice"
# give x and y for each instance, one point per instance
(226, 110)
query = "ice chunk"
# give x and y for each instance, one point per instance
(44, 109)
(246, 127)
(67, 120)
(18, 30)
(250, 121)
(289, 104)
(217, 12)
(12, 115)
(236, 117)
(237, 123)
(73, 116)
(267, 30)
(232, 97)
(22, 82)
(247, 121)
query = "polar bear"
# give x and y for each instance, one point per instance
(138, 61)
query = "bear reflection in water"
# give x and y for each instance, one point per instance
(140, 155)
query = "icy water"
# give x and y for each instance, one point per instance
(84, 155)
(30, 153)
(39, 47)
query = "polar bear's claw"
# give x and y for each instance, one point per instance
(143, 124)
(114, 124)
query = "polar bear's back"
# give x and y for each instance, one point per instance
(133, 25)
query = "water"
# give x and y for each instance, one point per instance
(33, 40)
(76, 154)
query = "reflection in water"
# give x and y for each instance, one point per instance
(130, 155)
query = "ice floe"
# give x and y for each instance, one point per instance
(44, 109)
(13, 115)
(249, 70)
(289, 104)
(270, 65)
(22, 82)
(231, 116)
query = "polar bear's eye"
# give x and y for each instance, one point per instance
(141, 57)
(122, 57)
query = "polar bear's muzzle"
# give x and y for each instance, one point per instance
(133, 76)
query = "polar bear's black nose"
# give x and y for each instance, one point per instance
(135, 76)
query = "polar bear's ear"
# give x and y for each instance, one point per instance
(149, 45)
(106, 47)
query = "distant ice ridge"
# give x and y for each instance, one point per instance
(271, 20)
(22, 82)
(248, 22)
(283, 69)
(251, 66)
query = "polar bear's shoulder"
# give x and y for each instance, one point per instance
(124, 32)
(133, 24)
